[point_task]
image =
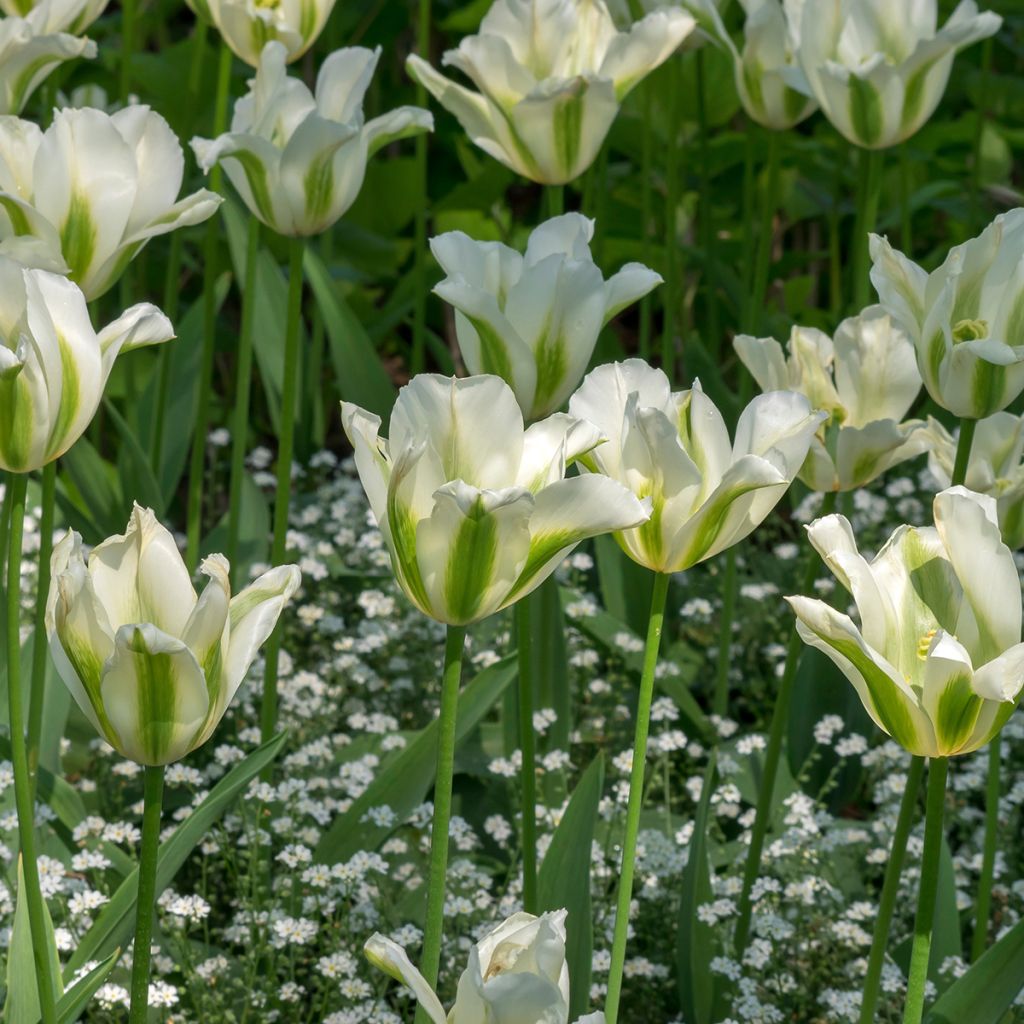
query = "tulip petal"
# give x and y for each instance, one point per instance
(342, 81)
(633, 55)
(253, 165)
(865, 453)
(363, 432)
(552, 444)
(947, 693)
(206, 632)
(630, 284)
(900, 283)
(400, 123)
(138, 327)
(390, 958)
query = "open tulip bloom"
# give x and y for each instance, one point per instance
(88, 193)
(476, 511)
(534, 319)
(152, 666)
(71, 16)
(296, 158)
(964, 318)
(878, 68)
(866, 379)
(937, 659)
(551, 75)
(708, 493)
(53, 364)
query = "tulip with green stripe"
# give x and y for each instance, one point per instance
(937, 659)
(151, 665)
(476, 511)
(551, 76)
(71, 16)
(298, 158)
(966, 319)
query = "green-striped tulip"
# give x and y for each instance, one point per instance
(71, 16)
(937, 660)
(475, 510)
(246, 26)
(707, 493)
(771, 38)
(996, 467)
(551, 75)
(866, 380)
(92, 190)
(298, 159)
(533, 319)
(966, 319)
(878, 68)
(151, 665)
(53, 365)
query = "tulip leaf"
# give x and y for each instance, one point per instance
(95, 504)
(113, 926)
(564, 881)
(136, 476)
(74, 1001)
(551, 660)
(403, 782)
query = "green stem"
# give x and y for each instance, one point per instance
(37, 693)
(988, 858)
(835, 249)
(434, 927)
(419, 334)
(867, 218)
(772, 756)
(646, 208)
(5, 523)
(963, 451)
(205, 384)
(127, 48)
(153, 783)
(670, 290)
(243, 389)
(45, 981)
(527, 747)
(890, 889)
(172, 285)
(906, 214)
(979, 136)
(707, 221)
(282, 497)
(554, 197)
(636, 793)
(729, 587)
(920, 954)
(753, 312)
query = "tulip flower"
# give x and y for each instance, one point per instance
(707, 494)
(53, 365)
(534, 319)
(963, 318)
(551, 75)
(92, 189)
(298, 160)
(516, 973)
(152, 666)
(996, 467)
(32, 46)
(71, 16)
(476, 511)
(246, 26)
(866, 380)
(937, 660)
(771, 38)
(878, 69)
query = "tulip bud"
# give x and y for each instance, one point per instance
(551, 75)
(534, 319)
(152, 666)
(937, 659)
(707, 493)
(476, 511)
(298, 160)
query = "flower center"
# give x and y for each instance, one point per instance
(924, 643)
(970, 330)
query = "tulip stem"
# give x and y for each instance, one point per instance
(527, 748)
(127, 47)
(988, 857)
(753, 313)
(890, 889)
(867, 217)
(163, 366)
(282, 497)
(772, 756)
(646, 171)
(670, 290)
(963, 451)
(920, 954)
(707, 220)
(434, 927)
(37, 693)
(243, 388)
(24, 802)
(554, 196)
(636, 795)
(906, 214)
(419, 330)
(729, 586)
(153, 783)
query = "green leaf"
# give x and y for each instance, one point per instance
(22, 1003)
(551, 660)
(76, 999)
(114, 925)
(564, 880)
(136, 476)
(97, 508)
(404, 781)
(253, 530)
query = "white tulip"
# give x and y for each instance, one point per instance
(534, 319)
(866, 380)
(878, 68)
(298, 160)
(771, 39)
(966, 319)
(937, 659)
(92, 189)
(707, 492)
(551, 75)
(475, 510)
(72, 16)
(151, 665)
(517, 974)
(248, 25)
(53, 365)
